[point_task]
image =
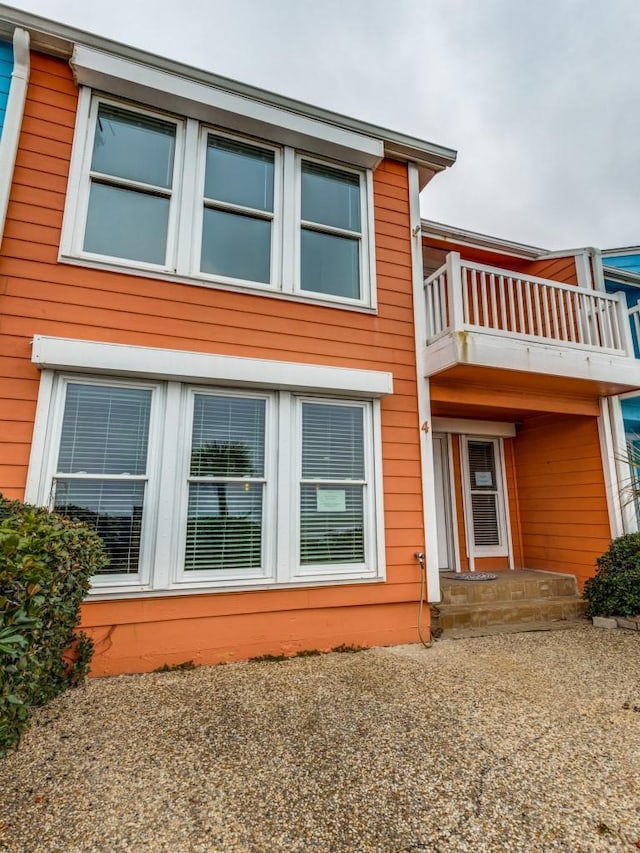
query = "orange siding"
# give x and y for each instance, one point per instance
(563, 507)
(40, 296)
(557, 269)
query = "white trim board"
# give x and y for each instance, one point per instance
(154, 363)
(13, 118)
(491, 350)
(166, 91)
(464, 426)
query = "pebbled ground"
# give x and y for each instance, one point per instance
(517, 742)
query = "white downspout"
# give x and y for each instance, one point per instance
(13, 119)
(424, 403)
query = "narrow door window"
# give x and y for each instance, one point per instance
(485, 497)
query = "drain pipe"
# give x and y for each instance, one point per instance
(419, 555)
(429, 561)
(13, 118)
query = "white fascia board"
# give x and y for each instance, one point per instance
(473, 239)
(151, 86)
(197, 367)
(467, 426)
(486, 350)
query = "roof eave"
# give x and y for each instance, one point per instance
(57, 39)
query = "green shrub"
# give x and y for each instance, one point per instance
(45, 565)
(615, 588)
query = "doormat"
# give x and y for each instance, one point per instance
(475, 576)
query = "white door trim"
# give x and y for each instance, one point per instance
(505, 547)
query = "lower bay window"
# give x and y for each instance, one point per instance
(197, 487)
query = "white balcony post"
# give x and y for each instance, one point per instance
(624, 321)
(454, 278)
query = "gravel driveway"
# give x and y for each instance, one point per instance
(523, 742)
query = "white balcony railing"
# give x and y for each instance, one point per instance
(634, 318)
(465, 296)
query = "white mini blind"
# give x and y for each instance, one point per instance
(102, 466)
(332, 491)
(484, 493)
(226, 484)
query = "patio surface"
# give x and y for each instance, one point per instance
(516, 742)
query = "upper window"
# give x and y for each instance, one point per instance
(154, 192)
(130, 186)
(330, 238)
(237, 223)
(198, 487)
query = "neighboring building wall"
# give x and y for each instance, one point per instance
(40, 296)
(562, 500)
(623, 262)
(6, 67)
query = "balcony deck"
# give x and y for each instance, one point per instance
(498, 320)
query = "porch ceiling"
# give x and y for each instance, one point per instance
(510, 395)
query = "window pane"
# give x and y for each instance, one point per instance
(330, 264)
(224, 526)
(332, 442)
(105, 430)
(239, 174)
(113, 510)
(331, 527)
(228, 437)
(482, 465)
(330, 197)
(486, 527)
(236, 246)
(132, 146)
(127, 224)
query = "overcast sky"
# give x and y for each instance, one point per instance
(539, 97)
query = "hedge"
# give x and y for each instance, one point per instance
(46, 562)
(615, 588)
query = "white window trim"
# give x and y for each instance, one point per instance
(223, 577)
(163, 536)
(365, 235)
(503, 548)
(275, 217)
(77, 202)
(368, 567)
(184, 366)
(55, 391)
(184, 233)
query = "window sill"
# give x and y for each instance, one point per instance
(212, 284)
(144, 591)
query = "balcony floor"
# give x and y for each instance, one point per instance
(499, 361)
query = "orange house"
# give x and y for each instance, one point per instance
(208, 352)
(228, 342)
(523, 349)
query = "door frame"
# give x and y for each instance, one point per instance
(443, 444)
(505, 549)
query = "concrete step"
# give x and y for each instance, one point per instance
(510, 628)
(488, 613)
(515, 586)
